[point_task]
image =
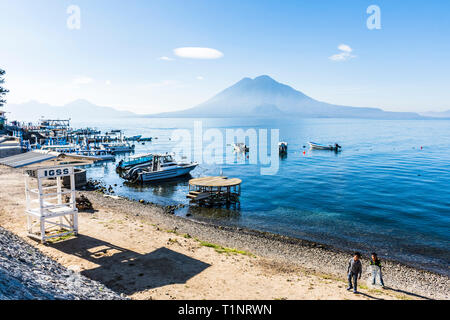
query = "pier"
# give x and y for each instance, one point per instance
(215, 191)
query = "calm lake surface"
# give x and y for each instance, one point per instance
(387, 191)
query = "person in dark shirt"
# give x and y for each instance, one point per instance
(354, 271)
(375, 262)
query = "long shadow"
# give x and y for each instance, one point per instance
(368, 296)
(126, 271)
(408, 293)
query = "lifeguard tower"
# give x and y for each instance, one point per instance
(51, 210)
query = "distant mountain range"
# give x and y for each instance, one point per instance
(258, 97)
(265, 97)
(79, 110)
(432, 114)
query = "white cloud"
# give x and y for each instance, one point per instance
(82, 80)
(340, 56)
(165, 58)
(345, 48)
(344, 55)
(199, 78)
(108, 82)
(198, 53)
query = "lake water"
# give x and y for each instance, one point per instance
(387, 191)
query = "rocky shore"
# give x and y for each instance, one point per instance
(26, 273)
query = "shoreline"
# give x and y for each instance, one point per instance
(221, 261)
(171, 211)
(309, 244)
(174, 208)
(290, 250)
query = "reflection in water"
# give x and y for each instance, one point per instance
(164, 188)
(201, 213)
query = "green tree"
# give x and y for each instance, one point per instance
(3, 91)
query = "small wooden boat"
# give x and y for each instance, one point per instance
(318, 146)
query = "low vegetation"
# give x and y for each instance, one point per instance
(221, 249)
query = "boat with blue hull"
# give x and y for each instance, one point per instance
(133, 138)
(118, 147)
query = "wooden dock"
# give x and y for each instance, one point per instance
(215, 191)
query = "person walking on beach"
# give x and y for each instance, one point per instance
(354, 271)
(375, 264)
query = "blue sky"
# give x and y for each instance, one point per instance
(114, 59)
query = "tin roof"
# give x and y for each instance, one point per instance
(36, 159)
(25, 159)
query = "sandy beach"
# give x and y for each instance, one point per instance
(142, 252)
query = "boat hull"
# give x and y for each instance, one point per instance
(120, 149)
(316, 146)
(166, 174)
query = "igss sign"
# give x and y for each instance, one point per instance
(55, 172)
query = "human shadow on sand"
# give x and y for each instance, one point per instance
(128, 272)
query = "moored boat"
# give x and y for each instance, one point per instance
(98, 154)
(162, 166)
(133, 138)
(318, 146)
(282, 147)
(241, 147)
(116, 147)
(134, 161)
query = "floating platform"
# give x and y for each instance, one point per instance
(215, 191)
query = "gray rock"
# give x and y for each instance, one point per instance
(26, 273)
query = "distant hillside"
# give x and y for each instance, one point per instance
(259, 97)
(78, 110)
(443, 114)
(265, 97)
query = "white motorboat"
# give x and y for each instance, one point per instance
(318, 146)
(162, 166)
(99, 154)
(241, 147)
